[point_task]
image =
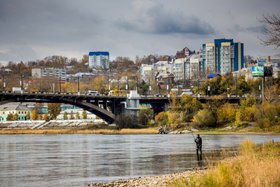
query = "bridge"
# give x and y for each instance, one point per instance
(105, 107)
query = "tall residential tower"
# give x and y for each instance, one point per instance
(223, 56)
(98, 59)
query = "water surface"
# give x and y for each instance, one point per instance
(76, 160)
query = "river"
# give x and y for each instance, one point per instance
(77, 160)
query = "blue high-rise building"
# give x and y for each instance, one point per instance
(98, 59)
(222, 56)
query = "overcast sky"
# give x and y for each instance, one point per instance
(34, 29)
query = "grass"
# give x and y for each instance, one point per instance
(79, 131)
(255, 166)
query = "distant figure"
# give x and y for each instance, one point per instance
(198, 142)
(162, 130)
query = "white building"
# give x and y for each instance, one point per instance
(59, 73)
(179, 69)
(74, 112)
(195, 61)
(163, 68)
(276, 66)
(147, 72)
(225, 58)
(14, 108)
(98, 59)
(210, 58)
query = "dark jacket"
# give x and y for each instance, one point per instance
(198, 142)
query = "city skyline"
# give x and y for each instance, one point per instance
(32, 29)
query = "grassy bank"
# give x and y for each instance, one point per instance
(253, 167)
(79, 131)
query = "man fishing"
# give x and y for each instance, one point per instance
(198, 142)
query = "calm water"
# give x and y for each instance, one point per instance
(76, 160)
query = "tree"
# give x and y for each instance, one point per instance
(46, 117)
(77, 115)
(72, 115)
(189, 106)
(65, 116)
(161, 119)
(272, 29)
(54, 110)
(84, 114)
(145, 115)
(28, 116)
(204, 118)
(226, 114)
(15, 117)
(10, 117)
(34, 114)
(143, 88)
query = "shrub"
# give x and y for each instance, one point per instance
(127, 121)
(174, 119)
(161, 119)
(226, 114)
(204, 118)
(145, 115)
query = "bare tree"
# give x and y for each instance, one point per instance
(272, 23)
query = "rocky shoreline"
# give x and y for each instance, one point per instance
(149, 181)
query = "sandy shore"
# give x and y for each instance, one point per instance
(149, 181)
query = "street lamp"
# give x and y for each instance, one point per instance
(208, 90)
(167, 89)
(260, 91)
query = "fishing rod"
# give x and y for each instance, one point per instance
(193, 135)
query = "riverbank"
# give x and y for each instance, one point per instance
(150, 181)
(254, 166)
(79, 131)
(131, 131)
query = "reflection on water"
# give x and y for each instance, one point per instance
(76, 160)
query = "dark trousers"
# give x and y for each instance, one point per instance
(199, 153)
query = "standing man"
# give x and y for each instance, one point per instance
(198, 142)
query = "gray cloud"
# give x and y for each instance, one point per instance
(258, 29)
(157, 20)
(32, 29)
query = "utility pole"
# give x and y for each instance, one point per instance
(4, 84)
(60, 84)
(78, 85)
(21, 83)
(263, 83)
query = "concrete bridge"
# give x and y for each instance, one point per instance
(105, 107)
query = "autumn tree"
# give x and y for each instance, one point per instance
(54, 110)
(10, 117)
(161, 119)
(145, 115)
(189, 106)
(34, 114)
(99, 83)
(46, 117)
(77, 115)
(84, 114)
(204, 118)
(225, 114)
(65, 116)
(28, 116)
(72, 115)
(15, 117)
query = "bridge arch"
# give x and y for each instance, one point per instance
(104, 114)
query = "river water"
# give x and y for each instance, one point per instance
(77, 160)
